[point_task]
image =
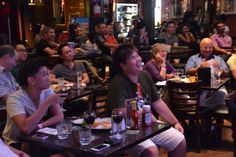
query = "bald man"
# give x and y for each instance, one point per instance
(206, 59)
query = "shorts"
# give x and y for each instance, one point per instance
(168, 139)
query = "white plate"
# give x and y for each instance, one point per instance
(69, 84)
(99, 124)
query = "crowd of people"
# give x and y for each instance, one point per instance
(31, 104)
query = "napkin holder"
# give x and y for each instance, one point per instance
(204, 76)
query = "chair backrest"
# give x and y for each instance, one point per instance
(184, 98)
(99, 101)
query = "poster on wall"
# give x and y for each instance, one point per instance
(97, 9)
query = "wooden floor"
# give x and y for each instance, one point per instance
(222, 148)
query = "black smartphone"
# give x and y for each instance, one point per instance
(101, 147)
(40, 136)
(113, 141)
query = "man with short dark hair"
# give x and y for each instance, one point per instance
(21, 53)
(221, 41)
(8, 84)
(69, 68)
(124, 86)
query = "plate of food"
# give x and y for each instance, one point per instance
(102, 124)
(99, 124)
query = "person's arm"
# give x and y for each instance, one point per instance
(160, 107)
(233, 73)
(57, 116)
(49, 51)
(28, 124)
(111, 45)
(182, 38)
(85, 78)
(154, 72)
(217, 48)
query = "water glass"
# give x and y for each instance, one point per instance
(69, 126)
(60, 81)
(84, 135)
(62, 130)
(79, 76)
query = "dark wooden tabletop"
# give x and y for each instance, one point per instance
(78, 93)
(216, 84)
(72, 143)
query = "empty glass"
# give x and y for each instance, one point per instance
(84, 135)
(62, 130)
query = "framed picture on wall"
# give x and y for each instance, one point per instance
(228, 6)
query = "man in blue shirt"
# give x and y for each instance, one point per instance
(206, 59)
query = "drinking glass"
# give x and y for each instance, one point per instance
(79, 76)
(84, 135)
(60, 81)
(218, 73)
(117, 117)
(63, 94)
(62, 130)
(89, 118)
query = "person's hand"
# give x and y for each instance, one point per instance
(168, 76)
(216, 64)
(205, 64)
(159, 60)
(55, 99)
(178, 127)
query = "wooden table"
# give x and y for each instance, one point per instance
(216, 84)
(72, 143)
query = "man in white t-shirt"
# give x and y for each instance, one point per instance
(32, 107)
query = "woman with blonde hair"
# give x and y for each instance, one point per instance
(158, 67)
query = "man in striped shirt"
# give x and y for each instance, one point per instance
(8, 84)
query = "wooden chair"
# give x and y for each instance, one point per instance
(99, 101)
(184, 103)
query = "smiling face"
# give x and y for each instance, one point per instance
(171, 28)
(133, 64)
(50, 35)
(206, 47)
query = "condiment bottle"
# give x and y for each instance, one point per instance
(147, 116)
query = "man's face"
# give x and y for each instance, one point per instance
(21, 53)
(102, 28)
(220, 28)
(206, 48)
(67, 53)
(41, 78)
(171, 28)
(133, 64)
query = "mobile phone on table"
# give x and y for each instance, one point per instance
(101, 147)
(40, 136)
(113, 141)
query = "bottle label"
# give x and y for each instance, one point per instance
(148, 118)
